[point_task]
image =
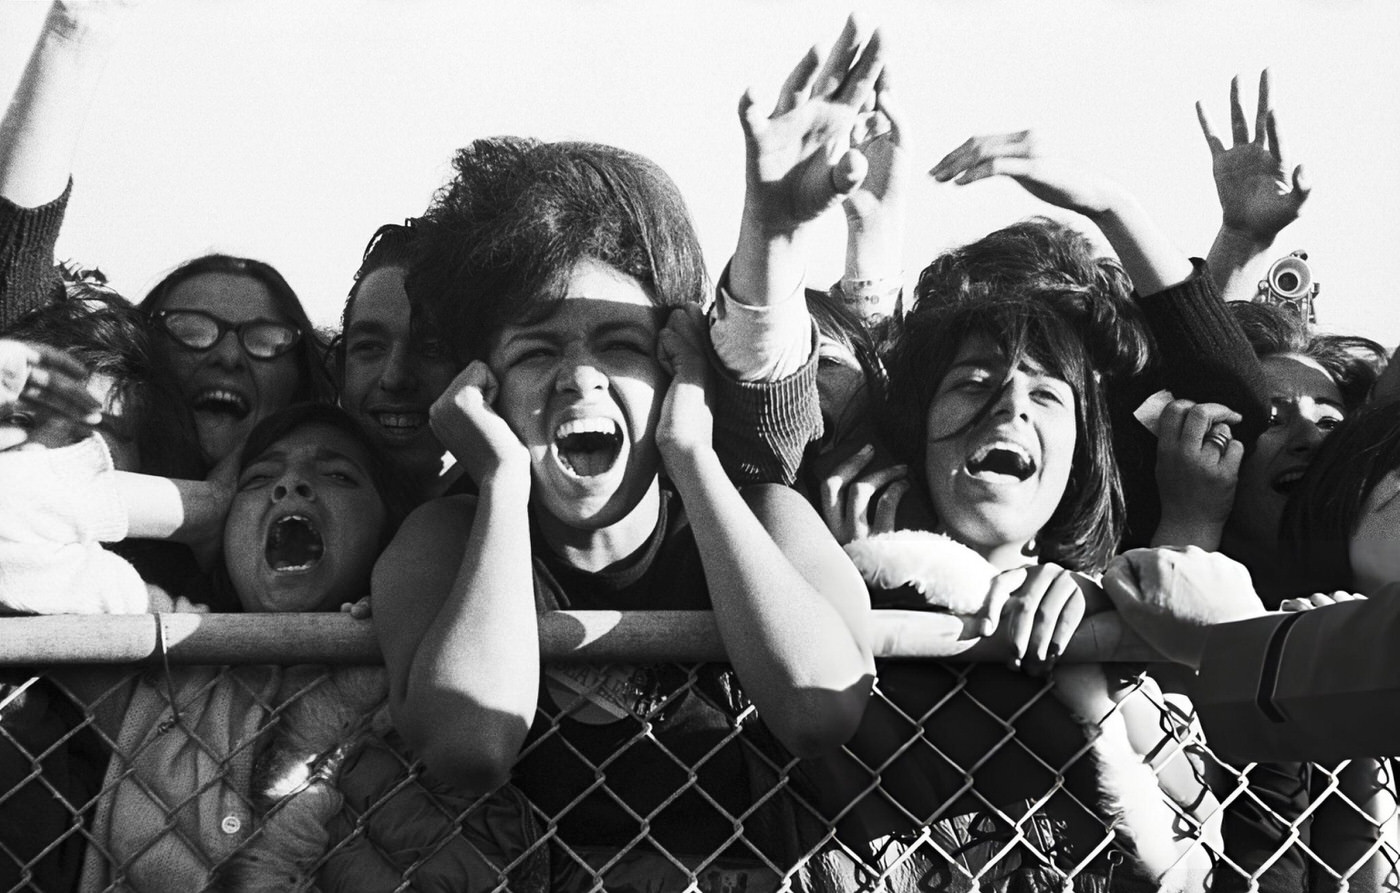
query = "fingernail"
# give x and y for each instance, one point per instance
(1053, 654)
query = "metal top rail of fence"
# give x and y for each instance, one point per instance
(254, 752)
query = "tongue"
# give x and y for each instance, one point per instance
(588, 454)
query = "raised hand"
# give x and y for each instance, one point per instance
(880, 139)
(1259, 194)
(799, 158)
(44, 400)
(465, 422)
(851, 491)
(1051, 179)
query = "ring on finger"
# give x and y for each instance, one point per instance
(1220, 437)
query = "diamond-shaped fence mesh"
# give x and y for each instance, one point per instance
(256, 753)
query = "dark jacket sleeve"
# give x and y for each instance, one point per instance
(27, 239)
(1200, 354)
(1203, 354)
(1320, 685)
(762, 428)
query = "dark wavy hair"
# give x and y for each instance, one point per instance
(1033, 291)
(392, 245)
(1351, 361)
(1324, 509)
(500, 240)
(103, 331)
(313, 382)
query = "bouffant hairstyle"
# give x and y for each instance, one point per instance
(1033, 291)
(500, 240)
(313, 384)
(1324, 509)
(1353, 362)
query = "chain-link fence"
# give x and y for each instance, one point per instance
(186, 752)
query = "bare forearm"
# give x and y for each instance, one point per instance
(1148, 255)
(768, 265)
(44, 120)
(476, 666)
(805, 662)
(1237, 263)
(169, 509)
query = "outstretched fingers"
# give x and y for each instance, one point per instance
(860, 80)
(799, 82)
(1264, 111)
(838, 62)
(1239, 128)
(1212, 139)
(978, 150)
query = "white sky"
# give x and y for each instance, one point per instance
(290, 131)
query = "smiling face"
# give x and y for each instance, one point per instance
(998, 452)
(305, 524)
(391, 378)
(1305, 405)
(582, 389)
(228, 391)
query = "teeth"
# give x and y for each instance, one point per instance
(220, 400)
(982, 453)
(1015, 460)
(407, 420)
(588, 447)
(293, 544)
(586, 426)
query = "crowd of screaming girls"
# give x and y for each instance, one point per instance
(1035, 435)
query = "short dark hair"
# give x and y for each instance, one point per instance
(1353, 362)
(269, 431)
(314, 384)
(103, 331)
(392, 245)
(1035, 291)
(1323, 510)
(500, 240)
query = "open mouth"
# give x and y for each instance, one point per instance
(401, 422)
(293, 544)
(1287, 482)
(1001, 460)
(221, 400)
(588, 447)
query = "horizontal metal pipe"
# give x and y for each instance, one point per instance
(595, 636)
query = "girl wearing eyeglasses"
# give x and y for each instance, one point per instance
(239, 343)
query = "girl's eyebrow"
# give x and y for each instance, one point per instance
(626, 326)
(366, 327)
(979, 361)
(529, 334)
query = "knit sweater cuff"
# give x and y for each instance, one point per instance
(1203, 354)
(762, 428)
(27, 240)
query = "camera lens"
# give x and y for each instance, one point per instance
(1287, 281)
